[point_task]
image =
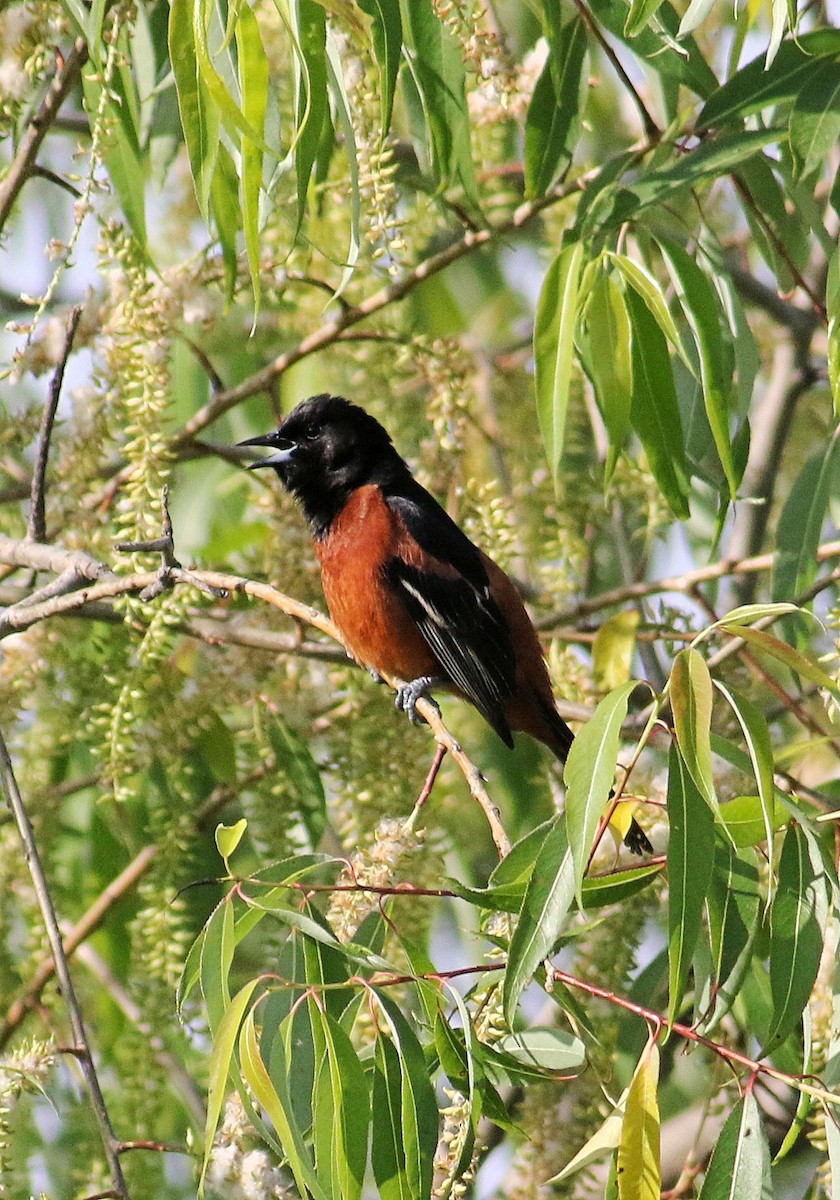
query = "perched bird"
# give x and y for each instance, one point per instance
(410, 593)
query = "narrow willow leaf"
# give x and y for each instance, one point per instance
(797, 920)
(832, 304)
(783, 653)
(801, 522)
(617, 886)
(647, 287)
(387, 34)
(547, 1048)
(224, 1043)
(613, 649)
(418, 1124)
(312, 102)
(805, 1101)
(603, 1140)
(654, 410)
(190, 974)
(438, 70)
(216, 961)
(744, 819)
(757, 738)
(748, 614)
(589, 774)
(553, 118)
(691, 852)
(778, 26)
(272, 1094)
(224, 205)
(341, 1117)
(781, 234)
(545, 907)
(125, 161)
(755, 87)
(734, 909)
(554, 334)
(295, 759)
(655, 46)
(701, 307)
(609, 362)
(639, 1172)
(253, 86)
(231, 115)
(691, 702)
(740, 1165)
(640, 14)
(695, 15)
(814, 127)
(335, 80)
(388, 1153)
(200, 118)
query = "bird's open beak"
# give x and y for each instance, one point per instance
(283, 450)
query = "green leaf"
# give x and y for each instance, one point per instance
(744, 820)
(640, 15)
(798, 662)
(703, 313)
(691, 702)
(648, 289)
(312, 100)
(639, 1173)
(386, 32)
(544, 1048)
(801, 522)
(609, 363)
(655, 46)
(714, 157)
(797, 920)
(553, 119)
(740, 1165)
(654, 410)
(554, 335)
(691, 850)
(755, 86)
(589, 774)
(295, 758)
(388, 1153)
(417, 1125)
(272, 1094)
(734, 910)
(200, 119)
(613, 649)
(544, 911)
(228, 838)
(341, 1116)
(438, 69)
(341, 102)
(814, 127)
(757, 738)
(253, 86)
(224, 204)
(125, 161)
(216, 961)
(600, 890)
(224, 1043)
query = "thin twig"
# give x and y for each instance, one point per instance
(23, 163)
(674, 583)
(82, 1046)
(37, 530)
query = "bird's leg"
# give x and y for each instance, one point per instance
(410, 693)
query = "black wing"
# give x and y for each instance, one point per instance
(455, 613)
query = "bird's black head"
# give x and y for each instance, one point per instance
(324, 450)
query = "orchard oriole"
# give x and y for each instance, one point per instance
(410, 593)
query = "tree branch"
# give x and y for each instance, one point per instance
(37, 529)
(23, 164)
(82, 1046)
(674, 583)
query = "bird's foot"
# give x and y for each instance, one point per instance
(408, 695)
(375, 676)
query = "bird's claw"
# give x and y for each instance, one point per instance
(408, 695)
(375, 676)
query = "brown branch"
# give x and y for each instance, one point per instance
(332, 329)
(23, 164)
(82, 1045)
(37, 529)
(674, 583)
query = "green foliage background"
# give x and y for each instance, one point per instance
(581, 260)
